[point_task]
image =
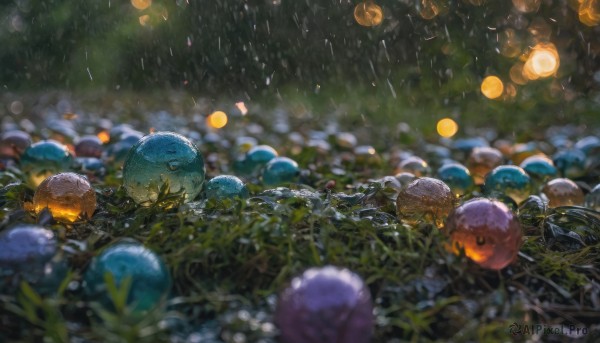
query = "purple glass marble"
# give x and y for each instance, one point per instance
(325, 305)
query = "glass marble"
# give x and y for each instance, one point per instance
(89, 146)
(366, 155)
(405, 178)
(465, 145)
(159, 159)
(523, 150)
(590, 145)
(13, 143)
(28, 253)
(487, 231)
(346, 140)
(68, 196)
(257, 157)
(149, 277)
(592, 199)
(43, 159)
(225, 187)
(570, 163)
(563, 192)
(62, 130)
(481, 161)
(414, 165)
(457, 177)
(325, 305)
(91, 167)
(117, 152)
(512, 181)
(425, 200)
(539, 167)
(280, 170)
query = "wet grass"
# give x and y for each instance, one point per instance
(229, 260)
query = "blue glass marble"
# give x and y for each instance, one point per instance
(225, 187)
(457, 177)
(258, 156)
(512, 181)
(117, 152)
(592, 199)
(29, 253)
(539, 167)
(149, 277)
(467, 144)
(159, 159)
(280, 170)
(90, 166)
(325, 305)
(43, 159)
(590, 145)
(570, 163)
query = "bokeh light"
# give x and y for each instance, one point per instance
(492, 87)
(368, 14)
(104, 136)
(144, 19)
(217, 120)
(589, 12)
(447, 127)
(543, 61)
(141, 4)
(527, 6)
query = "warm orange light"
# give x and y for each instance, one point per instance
(527, 6)
(447, 127)
(492, 87)
(104, 136)
(217, 119)
(589, 12)
(141, 4)
(430, 9)
(368, 13)
(516, 74)
(543, 61)
(242, 107)
(144, 20)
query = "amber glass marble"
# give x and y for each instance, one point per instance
(68, 196)
(425, 200)
(481, 161)
(563, 192)
(488, 232)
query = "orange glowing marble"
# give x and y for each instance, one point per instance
(425, 200)
(141, 4)
(487, 231)
(68, 196)
(563, 192)
(368, 14)
(481, 161)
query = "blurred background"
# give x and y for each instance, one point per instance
(386, 60)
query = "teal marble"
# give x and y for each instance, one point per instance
(148, 274)
(457, 177)
(117, 152)
(590, 145)
(570, 163)
(280, 170)
(467, 144)
(30, 253)
(258, 156)
(592, 199)
(225, 187)
(43, 159)
(539, 168)
(160, 159)
(90, 166)
(512, 181)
